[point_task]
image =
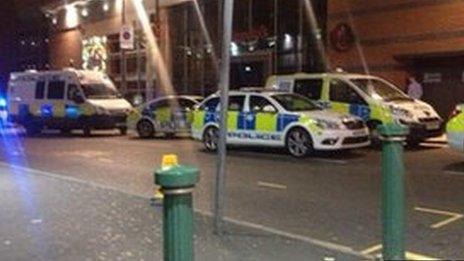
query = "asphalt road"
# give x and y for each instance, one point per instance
(331, 198)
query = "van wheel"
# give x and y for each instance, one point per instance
(299, 143)
(145, 129)
(87, 131)
(123, 130)
(32, 130)
(374, 133)
(210, 139)
(65, 131)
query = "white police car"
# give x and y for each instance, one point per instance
(280, 120)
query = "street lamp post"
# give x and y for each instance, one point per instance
(123, 54)
(224, 92)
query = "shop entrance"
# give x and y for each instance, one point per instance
(442, 78)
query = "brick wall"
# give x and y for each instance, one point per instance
(386, 29)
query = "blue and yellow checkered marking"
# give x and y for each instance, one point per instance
(263, 122)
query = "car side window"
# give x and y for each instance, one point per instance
(72, 92)
(40, 90)
(310, 88)
(261, 104)
(210, 105)
(236, 103)
(56, 90)
(341, 91)
(159, 104)
(285, 86)
(186, 104)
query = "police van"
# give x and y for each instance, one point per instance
(371, 98)
(279, 120)
(65, 100)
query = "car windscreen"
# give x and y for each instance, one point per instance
(294, 102)
(380, 90)
(99, 91)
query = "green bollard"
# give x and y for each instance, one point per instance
(177, 183)
(393, 219)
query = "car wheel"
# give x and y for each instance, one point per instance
(32, 130)
(299, 143)
(65, 131)
(211, 138)
(413, 143)
(145, 129)
(123, 130)
(87, 131)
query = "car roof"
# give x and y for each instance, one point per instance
(190, 97)
(330, 74)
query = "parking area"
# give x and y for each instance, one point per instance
(332, 199)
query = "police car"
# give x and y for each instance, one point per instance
(371, 98)
(455, 129)
(169, 115)
(280, 120)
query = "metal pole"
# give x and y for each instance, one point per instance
(276, 35)
(300, 36)
(393, 218)
(123, 54)
(224, 92)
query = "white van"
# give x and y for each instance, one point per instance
(371, 98)
(65, 100)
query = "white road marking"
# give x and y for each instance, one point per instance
(271, 185)
(376, 251)
(310, 240)
(453, 216)
(434, 145)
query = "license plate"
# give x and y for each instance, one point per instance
(432, 125)
(359, 133)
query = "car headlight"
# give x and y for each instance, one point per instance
(101, 110)
(400, 112)
(327, 124)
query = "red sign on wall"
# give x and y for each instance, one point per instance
(252, 35)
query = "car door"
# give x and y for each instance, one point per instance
(264, 116)
(345, 99)
(183, 116)
(237, 130)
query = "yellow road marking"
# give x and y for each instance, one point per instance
(376, 250)
(271, 185)
(415, 256)
(453, 216)
(371, 249)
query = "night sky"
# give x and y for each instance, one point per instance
(8, 22)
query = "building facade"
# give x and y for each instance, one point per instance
(392, 39)
(400, 38)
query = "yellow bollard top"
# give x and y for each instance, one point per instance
(169, 160)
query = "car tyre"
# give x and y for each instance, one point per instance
(211, 138)
(374, 134)
(87, 131)
(123, 130)
(32, 130)
(145, 129)
(299, 143)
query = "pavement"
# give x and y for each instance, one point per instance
(331, 200)
(48, 217)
